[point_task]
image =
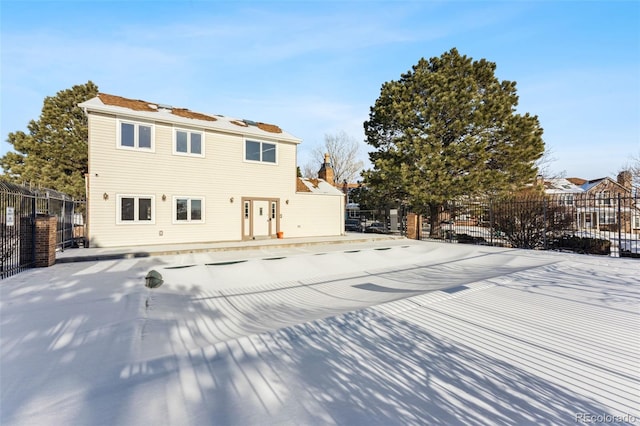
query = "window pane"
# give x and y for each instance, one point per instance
(144, 209)
(196, 143)
(144, 137)
(196, 209)
(181, 209)
(181, 141)
(252, 151)
(268, 152)
(127, 135)
(127, 209)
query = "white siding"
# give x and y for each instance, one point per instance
(309, 215)
(220, 175)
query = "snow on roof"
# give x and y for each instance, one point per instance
(561, 186)
(317, 186)
(161, 112)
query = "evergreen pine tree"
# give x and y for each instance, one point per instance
(53, 154)
(449, 128)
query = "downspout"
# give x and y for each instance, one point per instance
(343, 213)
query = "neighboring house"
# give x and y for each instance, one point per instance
(352, 208)
(164, 175)
(599, 204)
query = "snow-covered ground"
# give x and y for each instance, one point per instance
(388, 333)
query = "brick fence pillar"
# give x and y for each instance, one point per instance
(414, 226)
(46, 227)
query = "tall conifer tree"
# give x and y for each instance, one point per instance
(53, 154)
(449, 128)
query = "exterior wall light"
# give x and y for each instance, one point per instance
(286, 202)
(105, 196)
(164, 197)
(231, 200)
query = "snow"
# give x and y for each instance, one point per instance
(386, 333)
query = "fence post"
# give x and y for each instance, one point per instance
(620, 224)
(491, 231)
(545, 228)
(46, 240)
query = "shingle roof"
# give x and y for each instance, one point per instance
(150, 109)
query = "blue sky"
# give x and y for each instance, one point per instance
(315, 68)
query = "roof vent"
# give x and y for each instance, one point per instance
(250, 122)
(165, 107)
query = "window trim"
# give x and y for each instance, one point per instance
(174, 209)
(261, 142)
(189, 132)
(136, 220)
(136, 124)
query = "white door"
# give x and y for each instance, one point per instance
(261, 217)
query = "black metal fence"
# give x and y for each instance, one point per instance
(17, 236)
(19, 207)
(578, 223)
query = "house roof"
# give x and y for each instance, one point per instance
(589, 185)
(316, 186)
(575, 185)
(167, 113)
(576, 181)
(561, 186)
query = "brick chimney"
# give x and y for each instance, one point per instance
(326, 171)
(624, 179)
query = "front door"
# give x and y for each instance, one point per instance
(261, 219)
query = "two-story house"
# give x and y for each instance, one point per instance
(600, 204)
(162, 175)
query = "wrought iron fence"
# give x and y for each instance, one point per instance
(19, 207)
(579, 223)
(70, 230)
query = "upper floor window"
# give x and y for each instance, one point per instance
(188, 142)
(134, 135)
(566, 200)
(260, 151)
(135, 209)
(604, 198)
(188, 209)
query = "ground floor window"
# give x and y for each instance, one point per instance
(135, 209)
(607, 218)
(188, 209)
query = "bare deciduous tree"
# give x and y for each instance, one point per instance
(343, 152)
(633, 166)
(310, 170)
(544, 165)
